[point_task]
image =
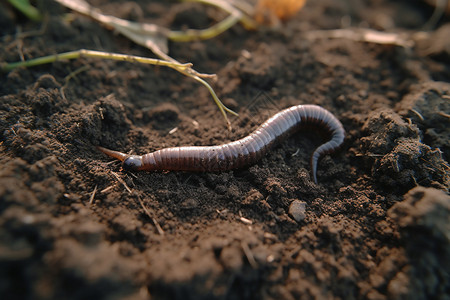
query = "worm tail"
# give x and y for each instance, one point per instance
(332, 145)
(115, 154)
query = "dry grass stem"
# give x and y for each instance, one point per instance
(91, 199)
(121, 181)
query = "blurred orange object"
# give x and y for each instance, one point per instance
(274, 11)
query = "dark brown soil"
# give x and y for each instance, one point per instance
(376, 226)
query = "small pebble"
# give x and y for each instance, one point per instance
(297, 210)
(189, 203)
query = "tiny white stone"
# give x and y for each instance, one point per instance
(297, 210)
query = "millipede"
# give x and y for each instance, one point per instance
(243, 152)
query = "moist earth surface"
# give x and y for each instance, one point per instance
(74, 225)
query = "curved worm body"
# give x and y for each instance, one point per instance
(242, 152)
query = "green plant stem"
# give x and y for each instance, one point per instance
(203, 34)
(27, 9)
(223, 109)
(99, 54)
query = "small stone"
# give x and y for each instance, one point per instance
(297, 210)
(189, 203)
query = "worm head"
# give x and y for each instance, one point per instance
(132, 163)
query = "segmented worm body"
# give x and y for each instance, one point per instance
(242, 152)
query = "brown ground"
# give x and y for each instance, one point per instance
(227, 235)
